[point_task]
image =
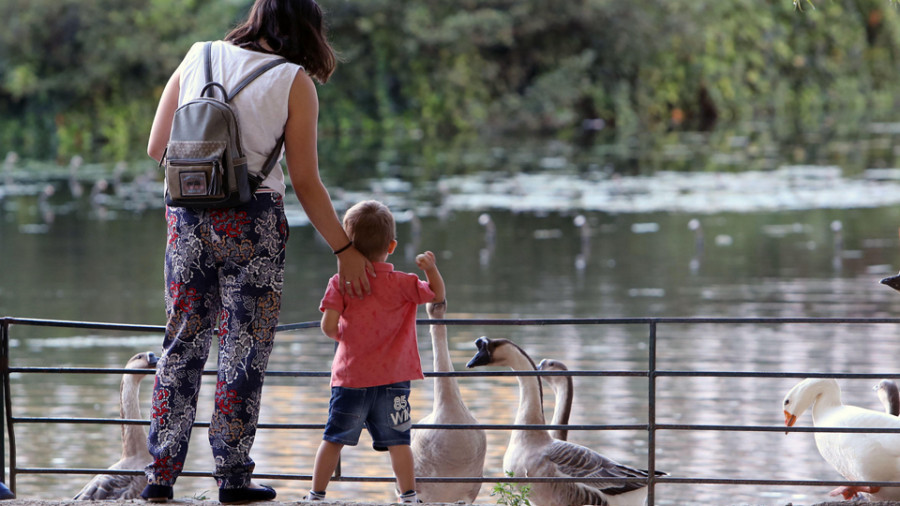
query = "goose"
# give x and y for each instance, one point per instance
(441, 452)
(889, 396)
(134, 442)
(533, 453)
(856, 456)
(564, 391)
(892, 281)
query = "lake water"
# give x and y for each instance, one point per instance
(554, 242)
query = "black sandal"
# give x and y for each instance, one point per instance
(157, 493)
(245, 495)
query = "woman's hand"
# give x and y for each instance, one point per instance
(352, 269)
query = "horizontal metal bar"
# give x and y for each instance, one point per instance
(484, 479)
(810, 483)
(773, 374)
(37, 322)
(775, 428)
(500, 426)
(270, 476)
(487, 321)
(308, 426)
(484, 373)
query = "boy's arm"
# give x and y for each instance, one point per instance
(330, 319)
(425, 261)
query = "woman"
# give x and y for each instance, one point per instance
(225, 267)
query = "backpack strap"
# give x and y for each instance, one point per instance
(262, 69)
(255, 179)
(207, 66)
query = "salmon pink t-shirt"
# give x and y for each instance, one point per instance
(377, 334)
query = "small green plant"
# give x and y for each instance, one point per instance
(511, 494)
(201, 496)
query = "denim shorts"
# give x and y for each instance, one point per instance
(384, 410)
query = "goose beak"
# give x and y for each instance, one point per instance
(892, 281)
(483, 356)
(789, 420)
(152, 359)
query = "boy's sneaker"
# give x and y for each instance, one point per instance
(314, 496)
(409, 497)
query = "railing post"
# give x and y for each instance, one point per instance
(4, 373)
(651, 414)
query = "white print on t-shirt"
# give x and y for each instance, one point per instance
(401, 418)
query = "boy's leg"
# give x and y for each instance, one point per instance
(346, 414)
(326, 462)
(402, 463)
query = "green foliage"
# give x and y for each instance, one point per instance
(83, 76)
(511, 494)
(88, 72)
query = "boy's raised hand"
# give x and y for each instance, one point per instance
(425, 260)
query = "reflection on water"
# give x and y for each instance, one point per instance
(544, 253)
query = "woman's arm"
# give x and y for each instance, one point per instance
(303, 166)
(162, 122)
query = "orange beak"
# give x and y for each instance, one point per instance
(789, 420)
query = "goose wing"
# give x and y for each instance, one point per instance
(580, 462)
(112, 486)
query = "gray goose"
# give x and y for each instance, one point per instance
(534, 453)
(889, 396)
(134, 441)
(564, 392)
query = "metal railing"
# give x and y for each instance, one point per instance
(652, 427)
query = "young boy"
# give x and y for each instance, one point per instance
(377, 353)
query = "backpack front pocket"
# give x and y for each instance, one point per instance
(194, 178)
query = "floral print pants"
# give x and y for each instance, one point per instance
(224, 270)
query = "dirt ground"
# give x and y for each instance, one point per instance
(189, 502)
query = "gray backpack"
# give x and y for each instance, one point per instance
(204, 160)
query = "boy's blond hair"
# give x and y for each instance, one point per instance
(371, 227)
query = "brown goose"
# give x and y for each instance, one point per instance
(563, 391)
(447, 452)
(533, 453)
(134, 441)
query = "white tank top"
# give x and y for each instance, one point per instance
(262, 107)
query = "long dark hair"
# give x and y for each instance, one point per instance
(294, 29)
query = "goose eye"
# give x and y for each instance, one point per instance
(787, 401)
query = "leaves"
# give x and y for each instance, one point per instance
(83, 76)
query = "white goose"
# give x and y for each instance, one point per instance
(889, 396)
(563, 391)
(856, 456)
(533, 453)
(134, 441)
(444, 452)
